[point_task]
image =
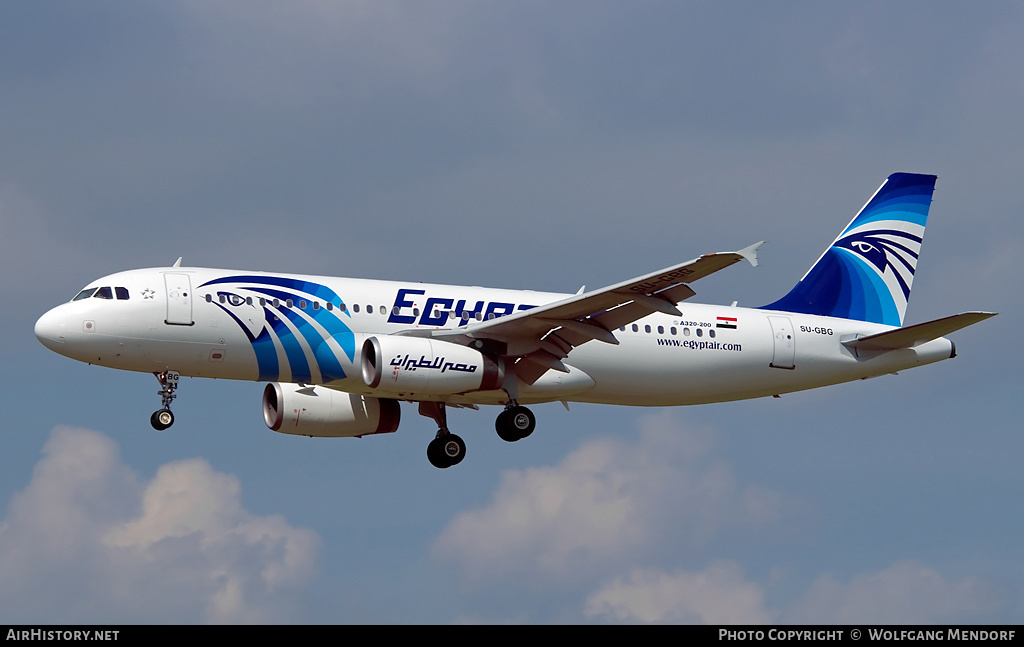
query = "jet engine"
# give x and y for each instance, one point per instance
(318, 411)
(420, 366)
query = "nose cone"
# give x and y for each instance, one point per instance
(50, 330)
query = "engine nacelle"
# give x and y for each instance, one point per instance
(319, 411)
(420, 366)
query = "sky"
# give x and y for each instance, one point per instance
(535, 145)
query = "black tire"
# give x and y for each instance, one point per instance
(515, 424)
(161, 419)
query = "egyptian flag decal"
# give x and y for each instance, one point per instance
(726, 322)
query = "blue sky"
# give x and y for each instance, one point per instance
(521, 145)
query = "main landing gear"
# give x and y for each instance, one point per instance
(515, 422)
(446, 449)
(163, 418)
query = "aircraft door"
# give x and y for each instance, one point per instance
(179, 299)
(785, 343)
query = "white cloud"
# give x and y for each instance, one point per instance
(86, 541)
(717, 595)
(587, 514)
(904, 593)
(623, 523)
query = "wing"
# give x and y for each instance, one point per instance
(540, 338)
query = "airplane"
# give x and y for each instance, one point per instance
(339, 354)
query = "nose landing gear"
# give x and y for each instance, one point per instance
(163, 418)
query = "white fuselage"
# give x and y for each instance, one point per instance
(215, 323)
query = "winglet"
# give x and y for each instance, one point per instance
(177, 263)
(750, 253)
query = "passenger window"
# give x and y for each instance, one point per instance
(248, 301)
(711, 333)
(84, 294)
(342, 307)
(209, 298)
(263, 301)
(277, 304)
(636, 328)
(288, 303)
(302, 304)
(104, 293)
(316, 305)
(383, 310)
(396, 310)
(122, 293)
(223, 298)
(661, 330)
(686, 332)
(700, 333)
(355, 308)
(647, 329)
(672, 330)
(415, 312)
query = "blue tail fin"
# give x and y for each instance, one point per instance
(867, 272)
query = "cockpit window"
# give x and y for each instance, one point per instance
(122, 293)
(104, 293)
(84, 294)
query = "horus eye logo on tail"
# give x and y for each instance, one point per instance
(867, 272)
(889, 251)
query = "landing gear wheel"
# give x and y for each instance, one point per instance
(515, 423)
(161, 419)
(446, 450)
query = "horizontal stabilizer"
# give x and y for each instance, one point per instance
(919, 333)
